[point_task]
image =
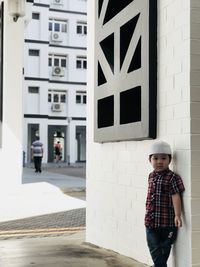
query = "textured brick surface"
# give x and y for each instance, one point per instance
(117, 174)
(69, 219)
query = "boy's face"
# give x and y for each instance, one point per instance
(160, 162)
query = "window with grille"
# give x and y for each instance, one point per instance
(57, 96)
(81, 97)
(57, 60)
(57, 26)
(81, 28)
(81, 62)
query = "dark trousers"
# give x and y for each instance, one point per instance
(37, 163)
(159, 241)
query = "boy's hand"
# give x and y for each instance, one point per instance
(178, 221)
(176, 199)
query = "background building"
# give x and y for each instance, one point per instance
(55, 78)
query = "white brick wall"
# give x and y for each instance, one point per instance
(117, 172)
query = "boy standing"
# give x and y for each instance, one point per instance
(163, 204)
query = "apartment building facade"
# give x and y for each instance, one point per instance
(55, 79)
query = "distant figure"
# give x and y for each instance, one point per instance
(57, 152)
(37, 154)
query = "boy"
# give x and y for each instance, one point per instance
(163, 204)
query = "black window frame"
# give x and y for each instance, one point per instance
(34, 52)
(36, 16)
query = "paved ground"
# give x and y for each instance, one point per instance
(42, 193)
(59, 251)
(59, 223)
(56, 239)
(76, 171)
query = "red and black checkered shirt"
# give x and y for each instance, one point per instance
(159, 206)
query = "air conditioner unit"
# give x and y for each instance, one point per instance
(58, 71)
(57, 2)
(56, 107)
(56, 37)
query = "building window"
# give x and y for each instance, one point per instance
(36, 16)
(81, 97)
(63, 62)
(57, 26)
(63, 98)
(78, 99)
(49, 97)
(33, 52)
(56, 96)
(81, 28)
(49, 61)
(33, 90)
(81, 62)
(57, 61)
(84, 99)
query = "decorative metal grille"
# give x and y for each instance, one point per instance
(126, 70)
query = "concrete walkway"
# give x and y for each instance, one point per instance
(41, 194)
(45, 195)
(65, 183)
(61, 251)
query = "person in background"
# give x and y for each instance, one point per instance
(37, 154)
(163, 204)
(57, 152)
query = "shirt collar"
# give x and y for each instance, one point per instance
(164, 172)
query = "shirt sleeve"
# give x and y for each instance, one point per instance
(176, 185)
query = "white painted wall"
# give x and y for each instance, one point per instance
(117, 172)
(78, 5)
(11, 148)
(33, 63)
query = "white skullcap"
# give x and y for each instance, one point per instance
(160, 147)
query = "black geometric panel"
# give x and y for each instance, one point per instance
(105, 112)
(107, 46)
(114, 7)
(126, 33)
(130, 105)
(136, 59)
(99, 7)
(125, 94)
(101, 76)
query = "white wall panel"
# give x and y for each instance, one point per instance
(117, 174)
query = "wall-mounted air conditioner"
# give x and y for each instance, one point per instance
(58, 71)
(56, 37)
(58, 2)
(56, 107)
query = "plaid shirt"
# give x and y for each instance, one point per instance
(159, 206)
